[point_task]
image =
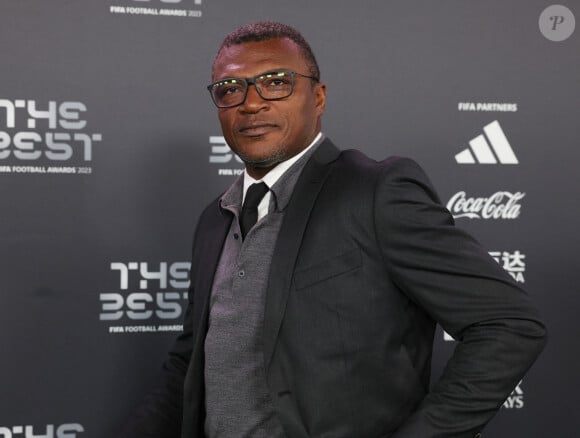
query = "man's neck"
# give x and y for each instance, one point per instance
(258, 172)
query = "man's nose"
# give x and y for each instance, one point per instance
(254, 102)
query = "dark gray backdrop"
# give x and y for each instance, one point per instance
(92, 262)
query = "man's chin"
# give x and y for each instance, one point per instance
(263, 163)
(259, 152)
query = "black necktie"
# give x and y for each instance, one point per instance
(249, 215)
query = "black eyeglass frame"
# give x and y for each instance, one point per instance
(252, 81)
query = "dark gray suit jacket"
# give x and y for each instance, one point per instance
(366, 262)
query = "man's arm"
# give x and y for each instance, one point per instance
(160, 414)
(447, 273)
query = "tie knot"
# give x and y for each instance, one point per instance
(255, 194)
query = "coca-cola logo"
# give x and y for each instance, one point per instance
(500, 205)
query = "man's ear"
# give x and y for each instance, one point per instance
(320, 96)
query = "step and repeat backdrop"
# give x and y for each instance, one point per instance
(110, 148)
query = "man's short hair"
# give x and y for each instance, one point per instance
(269, 30)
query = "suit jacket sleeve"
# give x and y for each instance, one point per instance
(160, 413)
(448, 274)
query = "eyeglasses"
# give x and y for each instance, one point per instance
(272, 85)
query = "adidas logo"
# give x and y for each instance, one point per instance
(497, 150)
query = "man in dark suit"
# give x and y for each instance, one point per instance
(318, 320)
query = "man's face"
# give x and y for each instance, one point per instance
(264, 133)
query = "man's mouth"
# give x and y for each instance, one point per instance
(256, 129)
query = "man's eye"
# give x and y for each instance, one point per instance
(276, 81)
(228, 90)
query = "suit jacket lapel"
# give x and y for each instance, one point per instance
(212, 233)
(289, 239)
